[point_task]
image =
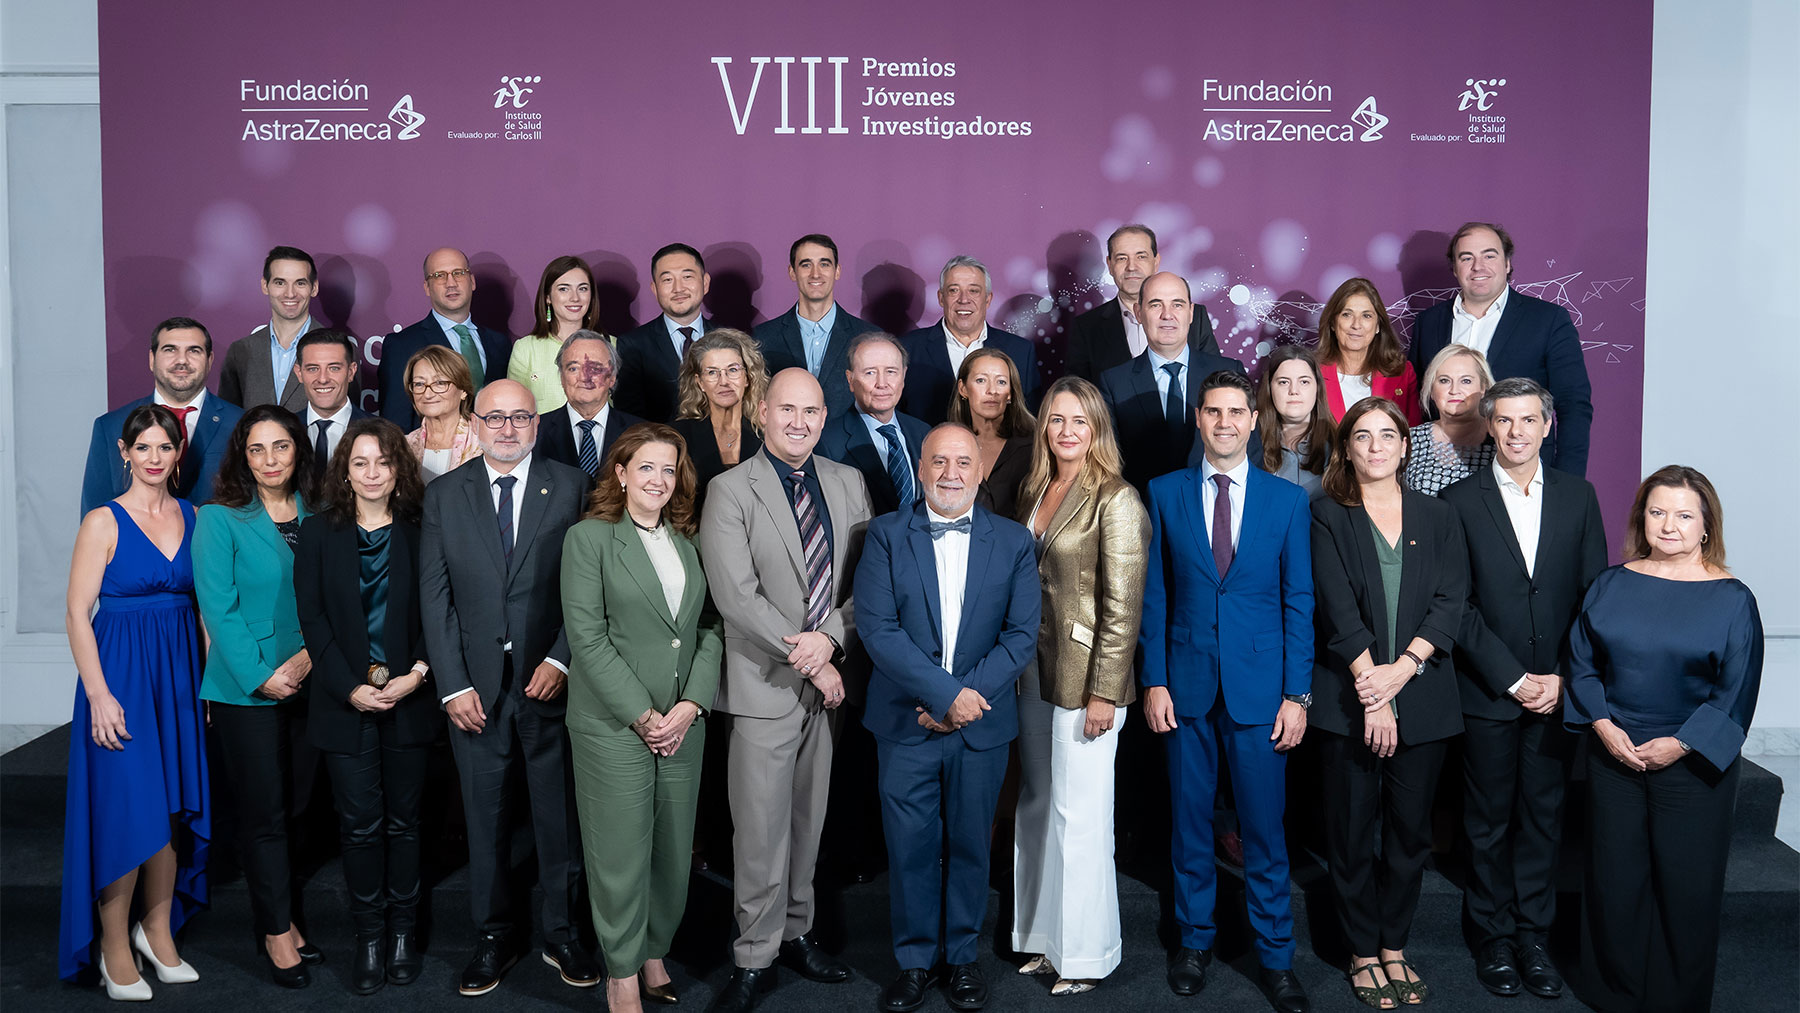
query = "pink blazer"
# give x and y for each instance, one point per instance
(1403, 390)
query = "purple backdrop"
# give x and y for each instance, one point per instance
(1276, 148)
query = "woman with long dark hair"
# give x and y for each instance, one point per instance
(257, 663)
(1292, 418)
(137, 814)
(356, 591)
(1360, 354)
(990, 400)
(565, 304)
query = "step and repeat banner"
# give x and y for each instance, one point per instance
(1276, 148)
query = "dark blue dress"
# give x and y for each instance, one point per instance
(120, 803)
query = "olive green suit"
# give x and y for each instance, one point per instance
(626, 656)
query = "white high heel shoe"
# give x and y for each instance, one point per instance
(138, 991)
(182, 973)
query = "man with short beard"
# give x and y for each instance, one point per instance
(180, 359)
(948, 607)
(490, 590)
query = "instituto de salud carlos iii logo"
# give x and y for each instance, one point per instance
(1480, 93)
(513, 90)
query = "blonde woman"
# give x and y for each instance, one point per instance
(722, 378)
(1455, 443)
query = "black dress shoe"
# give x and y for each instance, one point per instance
(804, 954)
(1284, 991)
(575, 966)
(310, 954)
(1187, 973)
(1539, 973)
(747, 985)
(289, 977)
(968, 989)
(368, 973)
(404, 961)
(491, 959)
(1495, 968)
(907, 992)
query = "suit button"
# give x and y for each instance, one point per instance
(1532, 641)
(937, 655)
(1534, 590)
(675, 644)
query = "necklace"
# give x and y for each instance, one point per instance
(654, 529)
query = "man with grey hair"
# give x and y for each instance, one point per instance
(1535, 542)
(581, 434)
(875, 437)
(936, 353)
(1112, 333)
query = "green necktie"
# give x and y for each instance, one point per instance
(470, 354)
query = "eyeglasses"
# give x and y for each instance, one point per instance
(435, 386)
(498, 420)
(712, 375)
(459, 274)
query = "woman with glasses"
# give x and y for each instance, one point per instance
(565, 304)
(722, 379)
(442, 393)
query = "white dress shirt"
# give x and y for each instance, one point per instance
(1354, 388)
(1209, 495)
(334, 426)
(952, 553)
(198, 404)
(959, 351)
(1135, 338)
(1525, 508)
(600, 417)
(1472, 331)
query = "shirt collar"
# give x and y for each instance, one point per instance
(198, 403)
(980, 339)
(520, 470)
(1506, 481)
(1157, 362)
(1494, 310)
(1238, 475)
(784, 469)
(446, 323)
(305, 325)
(824, 323)
(675, 328)
(600, 416)
(341, 416)
(875, 424)
(932, 516)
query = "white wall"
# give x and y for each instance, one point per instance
(1722, 324)
(1724, 233)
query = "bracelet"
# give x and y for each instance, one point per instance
(1415, 659)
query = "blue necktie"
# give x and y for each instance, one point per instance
(1175, 407)
(939, 527)
(321, 450)
(504, 513)
(898, 472)
(590, 454)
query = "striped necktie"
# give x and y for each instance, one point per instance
(590, 454)
(504, 513)
(898, 472)
(817, 550)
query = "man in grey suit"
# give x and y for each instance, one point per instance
(494, 629)
(780, 539)
(259, 368)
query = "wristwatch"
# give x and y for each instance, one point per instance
(837, 650)
(1303, 699)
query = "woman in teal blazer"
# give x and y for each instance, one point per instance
(645, 649)
(256, 666)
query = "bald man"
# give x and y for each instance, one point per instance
(450, 286)
(780, 538)
(490, 590)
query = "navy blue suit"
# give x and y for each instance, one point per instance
(1150, 444)
(937, 787)
(1534, 339)
(649, 370)
(399, 347)
(782, 348)
(846, 440)
(930, 382)
(1227, 649)
(107, 478)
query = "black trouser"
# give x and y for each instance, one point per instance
(1377, 895)
(378, 791)
(529, 733)
(1655, 882)
(271, 766)
(1514, 776)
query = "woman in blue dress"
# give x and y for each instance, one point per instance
(137, 813)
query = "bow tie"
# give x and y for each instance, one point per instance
(939, 527)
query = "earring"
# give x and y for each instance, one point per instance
(621, 486)
(1702, 538)
(549, 316)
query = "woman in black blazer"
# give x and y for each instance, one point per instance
(356, 587)
(722, 379)
(1390, 576)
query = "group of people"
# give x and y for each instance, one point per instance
(574, 559)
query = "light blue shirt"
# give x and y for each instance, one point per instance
(282, 359)
(675, 336)
(1162, 378)
(880, 441)
(456, 341)
(815, 336)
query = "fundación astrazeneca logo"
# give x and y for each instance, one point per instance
(1480, 93)
(1367, 117)
(408, 119)
(513, 89)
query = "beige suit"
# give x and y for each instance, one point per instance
(781, 733)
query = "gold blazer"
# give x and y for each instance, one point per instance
(1091, 567)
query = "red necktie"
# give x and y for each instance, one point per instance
(186, 441)
(1221, 525)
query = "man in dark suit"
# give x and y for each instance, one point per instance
(451, 287)
(1112, 333)
(650, 356)
(948, 605)
(871, 436)
(1536, 542)
(180, 359)
(490, 561)
(582, 433)
(1231, 543)
(936, 353)
(1520, 336)
(326, 363)
(814, 335)
(1154, 395)
(259, 368)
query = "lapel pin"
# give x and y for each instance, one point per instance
(1410, 541)
(543, 492)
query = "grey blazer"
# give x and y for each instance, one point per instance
(245, 379)
(756, 571)
(470, 601)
